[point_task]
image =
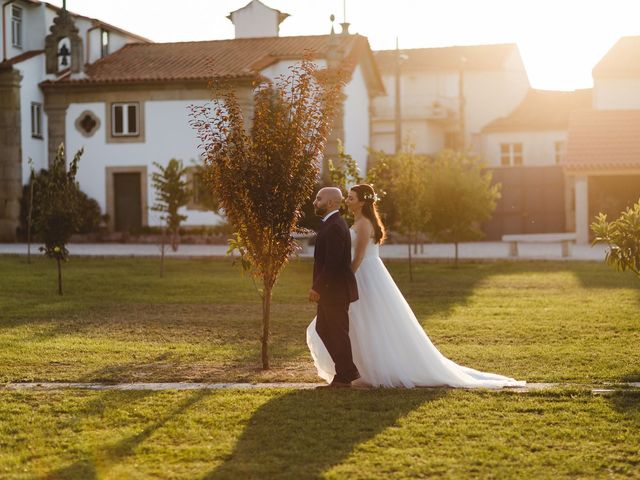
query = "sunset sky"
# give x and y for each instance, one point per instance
(560, 40)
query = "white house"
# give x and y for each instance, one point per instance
(445, 94)
(603, 149)
(563, 157)
(25, 32)
(525, 151)
(129, 109)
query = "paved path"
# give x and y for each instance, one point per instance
(252, 386)
(467, 251)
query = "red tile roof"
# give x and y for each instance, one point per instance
(603, 139)
(478, 57)
(21, 58)
(203, 61)
(623, 59)
(542, 110)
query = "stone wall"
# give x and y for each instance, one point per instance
(10, 153)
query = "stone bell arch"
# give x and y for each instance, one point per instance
(63, 27)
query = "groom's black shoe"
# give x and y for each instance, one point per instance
(335, 384)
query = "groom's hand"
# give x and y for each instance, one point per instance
(314, 296)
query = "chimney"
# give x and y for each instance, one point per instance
(255, 19)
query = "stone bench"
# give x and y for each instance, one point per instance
(562, 238)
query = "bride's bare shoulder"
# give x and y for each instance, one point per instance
(363, 225)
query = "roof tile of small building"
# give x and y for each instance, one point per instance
(623, 59)
(603, 139)
(542, 110)
(476, 57)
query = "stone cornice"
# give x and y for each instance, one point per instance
(62, 96)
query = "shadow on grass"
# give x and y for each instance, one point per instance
(626, 402)
(597, 276)
(437, 288)
(631, 377)
(89, 467)
(136, 371)
(304, 433)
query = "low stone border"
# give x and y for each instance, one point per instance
(252, 386)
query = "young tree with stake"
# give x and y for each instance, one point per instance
(262, 177)
(57, 199)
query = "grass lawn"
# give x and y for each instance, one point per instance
(274, 434)
(118, 321)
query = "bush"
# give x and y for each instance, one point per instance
(623, 238)
(88, 209)
(89, 213)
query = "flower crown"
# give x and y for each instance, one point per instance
(372, 197)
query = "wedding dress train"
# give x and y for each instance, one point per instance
(390, 348)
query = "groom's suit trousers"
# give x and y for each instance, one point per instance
(332, 325)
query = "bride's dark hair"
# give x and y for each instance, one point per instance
(366, 194)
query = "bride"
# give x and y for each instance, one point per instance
(389, 346)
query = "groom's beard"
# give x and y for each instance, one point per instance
(320, 211)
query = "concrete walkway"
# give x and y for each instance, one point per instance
(467, 251)
(253, 386)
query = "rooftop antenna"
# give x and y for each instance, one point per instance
(344, 24)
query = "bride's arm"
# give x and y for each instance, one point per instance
(362, 239)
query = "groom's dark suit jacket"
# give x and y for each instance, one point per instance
(333, 278)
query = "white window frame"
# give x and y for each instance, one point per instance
(104, 47)
(36, 120)
(511, 154)
(126, 131)
(560, 151)
(17, 15)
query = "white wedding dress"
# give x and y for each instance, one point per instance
(389, 346)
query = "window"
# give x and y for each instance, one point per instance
(201, 197)
(560, 151)
(451, 140)
(511, 154)
(36, 120)
(16, 26)
(195, 188)
(104, 43)
(124, 119)
(87, 123)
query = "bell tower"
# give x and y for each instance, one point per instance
(63, 46)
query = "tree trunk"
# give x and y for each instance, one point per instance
(29, 222)
(266, 320)
(175, 236)
(59, 276)
(456, 260)
(410, 262)
(162, 247)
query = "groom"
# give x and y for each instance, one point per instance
(334, 285)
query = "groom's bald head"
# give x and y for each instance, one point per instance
(333, 194)
(327, 200)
